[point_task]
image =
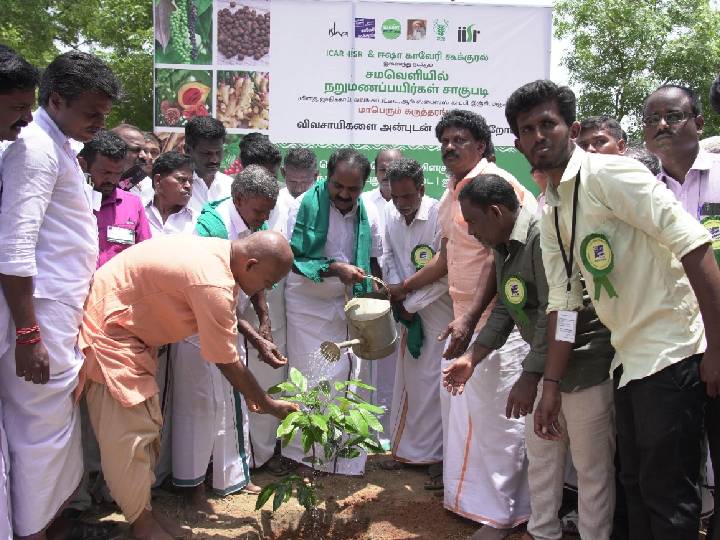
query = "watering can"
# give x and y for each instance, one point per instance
(373, 333)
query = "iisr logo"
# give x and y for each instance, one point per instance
(466, 34)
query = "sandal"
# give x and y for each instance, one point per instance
(391, 465)
(435, 482)
(81, 530)
(280, 466)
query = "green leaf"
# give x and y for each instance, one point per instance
(307, 441)
(279, 496)
(371, 408)
(298, 379)
(287, 425)
(340, 385)
(324, 387)
(264, 495)
(319, 421)
(371, 420)
(359, 384)
(359, 422)
(286, 387)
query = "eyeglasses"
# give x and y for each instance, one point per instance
(671, 118)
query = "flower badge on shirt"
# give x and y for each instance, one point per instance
(421, 255)
(514, 296)
(598, 258)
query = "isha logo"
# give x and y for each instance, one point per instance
(514, 290)
(599, 252)
(334, 32)
(466, 34)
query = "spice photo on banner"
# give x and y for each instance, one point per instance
(183, 31)
(243, 99)
(181, 94)
(243, 32)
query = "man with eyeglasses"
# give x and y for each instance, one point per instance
(672, 124)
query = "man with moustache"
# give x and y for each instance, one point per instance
(151, 149)
(18, 81)
(299, 170)
(48, 253)
(134, 178)
(336, 241)
(121, 218)
(672, 123)
(649, 268)
(204, 143)
(168, 212)
(480, 482)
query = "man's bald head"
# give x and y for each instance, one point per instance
(260, 260)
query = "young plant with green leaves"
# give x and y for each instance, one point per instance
(333, 422)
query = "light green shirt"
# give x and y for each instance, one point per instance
(654, 321)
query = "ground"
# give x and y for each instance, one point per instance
(380, 506)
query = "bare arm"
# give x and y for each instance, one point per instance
(244, 382)
(704, 275)
(259, 302)
(31, 361)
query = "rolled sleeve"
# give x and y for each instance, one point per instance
(637, 198)
(29, 176)
(214, 309)
(558, 296)
(142, 231)
(390, 269)
(497, 328)
(425, 296)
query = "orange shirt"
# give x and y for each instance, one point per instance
(157, 292)
(469, 261)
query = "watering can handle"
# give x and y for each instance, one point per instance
(376, 279)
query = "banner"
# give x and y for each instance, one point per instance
(328, 74)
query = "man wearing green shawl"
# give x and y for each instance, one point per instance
(412, 235)
(336, 242)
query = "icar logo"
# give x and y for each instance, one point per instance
(467, 34)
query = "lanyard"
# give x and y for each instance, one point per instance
(568, 261)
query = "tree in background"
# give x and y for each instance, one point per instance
(119, 31)
(622, 50)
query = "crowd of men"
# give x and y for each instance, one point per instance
(148, 299)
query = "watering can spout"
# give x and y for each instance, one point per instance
(331, 351)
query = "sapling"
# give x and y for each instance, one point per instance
(333, 422)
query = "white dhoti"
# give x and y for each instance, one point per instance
(315, 314)
(43, 422)
(210, 420)
(263, 427)
(417, 434)
(485, 464)
(6, 532)
(384, 381)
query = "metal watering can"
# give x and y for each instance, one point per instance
(372, 327)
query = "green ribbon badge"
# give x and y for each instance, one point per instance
(514, 296)
(712, 224)
(597, 256)
(421, 255)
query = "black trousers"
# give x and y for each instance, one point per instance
(660, 426)
(712, 421)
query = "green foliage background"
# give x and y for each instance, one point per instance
(118, 30)
(619, 50)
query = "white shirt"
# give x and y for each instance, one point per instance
(47, 226)
(399, 242)
(144, 190)
(375, 198)
(279, 216)
(201, 193)
(340, 246)
(181, 222)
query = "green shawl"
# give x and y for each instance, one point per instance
(211, 224)
(310, 234)
(415, 334)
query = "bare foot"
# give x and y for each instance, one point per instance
(146, 527)
(196, 500)
(172, 527)
(251, 489)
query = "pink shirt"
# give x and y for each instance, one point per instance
(701, 184)
(470, 262)
(121, 210)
